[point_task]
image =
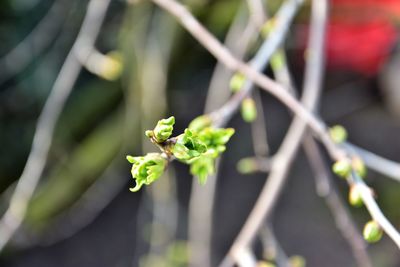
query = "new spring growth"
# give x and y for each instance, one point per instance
(297, 261)
(111, 66)
(147, 169)
(342, 167)
(265, 264)
(248, 110)
(338, 134)
(163, 130)
(372, 232)
(359, 166)
(237, 82)
(198, 146)
(355, 197)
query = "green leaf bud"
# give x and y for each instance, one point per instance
(248, 110)
(338, 134)
(147, 169)
(278, 60)
(297, 261)
(268, 27)
(372, 232)
(111, 66)
(200, 123)
(265, 264)
(355, 197)
(163, 129)
(247, 166)
(237, 82)
(359, 166)
(342, 168)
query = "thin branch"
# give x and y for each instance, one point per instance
(339, 211)
(375, 162)
(202, 197)
(283, 20)
(35, 42)
(374, 209)
(259, 129)
(288, 150)
(13, 217)
(223, 55)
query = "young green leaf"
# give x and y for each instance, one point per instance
(202, 167)
(147, 169)
(200, 123)
(188, 146)
(163, 129)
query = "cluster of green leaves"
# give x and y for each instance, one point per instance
(198, 146)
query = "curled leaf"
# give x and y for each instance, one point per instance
(147, 169)
(163, 130)
(188, 146)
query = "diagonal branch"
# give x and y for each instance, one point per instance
(277, 90)
(14, 215)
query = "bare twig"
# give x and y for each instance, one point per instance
(63, 85)
(223, 55)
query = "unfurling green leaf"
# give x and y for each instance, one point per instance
(342, 168)
(203, 167)
(248, 110)
(188, 146)
(147, 169)
(200, 123)
(372, 232)
(237, 82)
(163, 129)
(338, 134)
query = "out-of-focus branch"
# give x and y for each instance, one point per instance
(318, 127)
(35, 42)
(13, 217)
(375, 162)
(290, 145)
(283, 21)
(341, 215)
(201, 201)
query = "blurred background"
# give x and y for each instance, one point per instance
(82, 212)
